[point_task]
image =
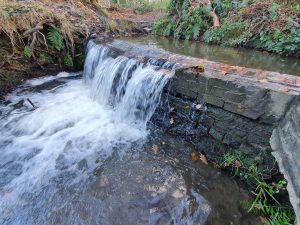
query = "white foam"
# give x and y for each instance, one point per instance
(74, 121)
(41, 80)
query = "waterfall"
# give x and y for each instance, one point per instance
(132, 89)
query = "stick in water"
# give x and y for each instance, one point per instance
(31, 103)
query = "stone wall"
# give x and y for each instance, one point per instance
(208, 110)
(220, 108)
(216, 106)
(285, 142)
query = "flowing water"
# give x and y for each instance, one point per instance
(80, 150)
(232, 56)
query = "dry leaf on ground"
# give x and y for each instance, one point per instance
(194, 156)
(203, 159)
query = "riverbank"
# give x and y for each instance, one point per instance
(271, 25)
(44, 37)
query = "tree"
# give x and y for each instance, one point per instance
(212, 14)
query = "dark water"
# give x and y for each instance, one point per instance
(233, 56)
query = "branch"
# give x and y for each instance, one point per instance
(32, 30)
(44, 38)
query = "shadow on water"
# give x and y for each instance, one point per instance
(233, 56)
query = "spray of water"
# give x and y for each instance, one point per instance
(74, 120)
(131, 88)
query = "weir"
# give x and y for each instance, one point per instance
(131, 88)
(91, 150)
(213, 105)
(82, 155)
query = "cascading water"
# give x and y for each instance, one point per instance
(80, 155)
(131, 88)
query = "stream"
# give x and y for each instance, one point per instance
(78, 148)
(233, 56)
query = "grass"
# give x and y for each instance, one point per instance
(143, 6)
(265, 188)
(23, 23)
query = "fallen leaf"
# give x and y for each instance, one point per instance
(263, 81)
(284, 89)
(199, 68)
(223, 72)
(237, 164)
(155, 149)
(203, 159)
(172, 120)
(194, 156)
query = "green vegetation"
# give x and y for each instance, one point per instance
(39, 33)
(271, 25)
(36, 38)
(55, 39)
(142, 6)
(192, 24)
(267, 202)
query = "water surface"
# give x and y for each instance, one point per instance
(233, 56)
(79, 150)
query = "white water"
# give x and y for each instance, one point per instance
(128, 87)
(72, 121)
(83, 155)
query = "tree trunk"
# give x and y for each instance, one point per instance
(216, 20)
(212, 14)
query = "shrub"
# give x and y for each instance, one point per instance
(192, 24)
(286, 42)
(266, 191)
(271, 25)
(229, 34)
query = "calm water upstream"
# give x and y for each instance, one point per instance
(233, 56)
(86, 154)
